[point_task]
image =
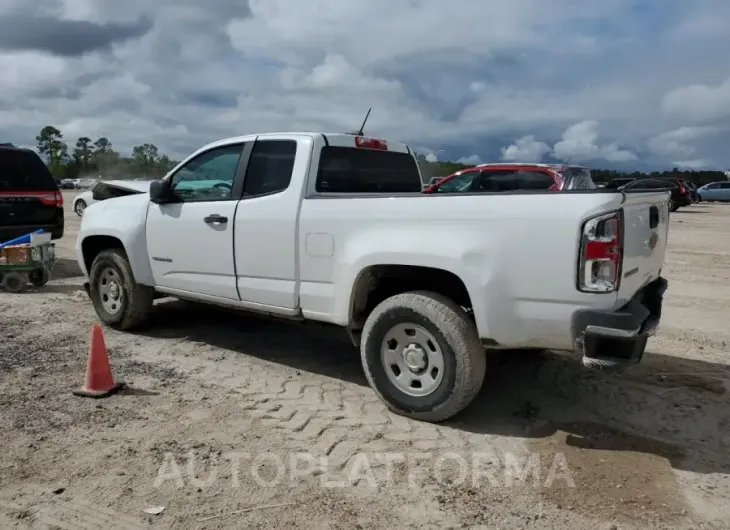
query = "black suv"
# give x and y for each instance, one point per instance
(29, 197)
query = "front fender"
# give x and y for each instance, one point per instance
(122, 218)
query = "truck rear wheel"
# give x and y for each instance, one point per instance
(422, 356)
(120, 302)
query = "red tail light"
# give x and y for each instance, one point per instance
(601, 254)
(51, 198)
(682, 188)
(371, 143)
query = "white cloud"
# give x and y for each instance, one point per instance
(579, 143)
(526, 149)
(471, 160)
(699, 103)
(693, 164)
(208, 71)
(679, 142)
(431, 157)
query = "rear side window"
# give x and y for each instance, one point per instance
(24, 171)
(270, 168)
(495, 181)
(502, 180)
(532, 180)
(352, 170)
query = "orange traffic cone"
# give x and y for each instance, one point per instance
(99, 380)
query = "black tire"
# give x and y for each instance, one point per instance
(464, 357)
(136, 300)
(39, 277)
(13, 282)
(673, 206)
(81, 203)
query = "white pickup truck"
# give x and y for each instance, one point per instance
(333, 228)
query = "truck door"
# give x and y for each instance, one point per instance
(190, 241)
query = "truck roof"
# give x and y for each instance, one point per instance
(333, 139)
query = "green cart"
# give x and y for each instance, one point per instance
(27, 263)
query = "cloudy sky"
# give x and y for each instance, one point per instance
(609, 83)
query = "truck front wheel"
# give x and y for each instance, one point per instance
(120, 302)
(422, 356)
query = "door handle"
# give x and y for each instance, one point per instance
(653, 217)
(215, 218)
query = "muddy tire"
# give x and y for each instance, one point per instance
(13, 282)
(39, 277)
(120, 302)
(422, 356)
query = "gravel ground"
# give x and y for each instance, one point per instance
(231, 421)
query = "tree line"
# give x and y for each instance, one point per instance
(90, 158)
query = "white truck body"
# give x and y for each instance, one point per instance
(303, 253)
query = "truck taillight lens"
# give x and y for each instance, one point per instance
(601, 254)
(371, 143)
(59, 198)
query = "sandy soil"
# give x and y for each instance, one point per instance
(227, 412)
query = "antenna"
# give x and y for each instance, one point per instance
(569, 158)
(360, 132)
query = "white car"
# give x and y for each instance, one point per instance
(334, 228)
(106, 189)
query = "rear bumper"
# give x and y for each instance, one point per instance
(11, 232)
(610, 340)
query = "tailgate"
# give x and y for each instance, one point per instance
(645, 230)
(27, 208)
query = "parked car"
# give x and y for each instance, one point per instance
(679, 193)
(490, 178)
(333, 228)
(715, 191)
(108, 189)
(692, 188)
(29, 197)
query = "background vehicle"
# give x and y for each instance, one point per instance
(334, 228)
(679, 193)
(107, 189)
(511, 177)
(692, 188)
(715, 191)
(66, 184)
(29, 197)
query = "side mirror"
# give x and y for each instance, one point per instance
(161, 191)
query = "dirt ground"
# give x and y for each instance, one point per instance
(231, 421)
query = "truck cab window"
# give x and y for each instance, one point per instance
(270, 168)
(209, 176)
